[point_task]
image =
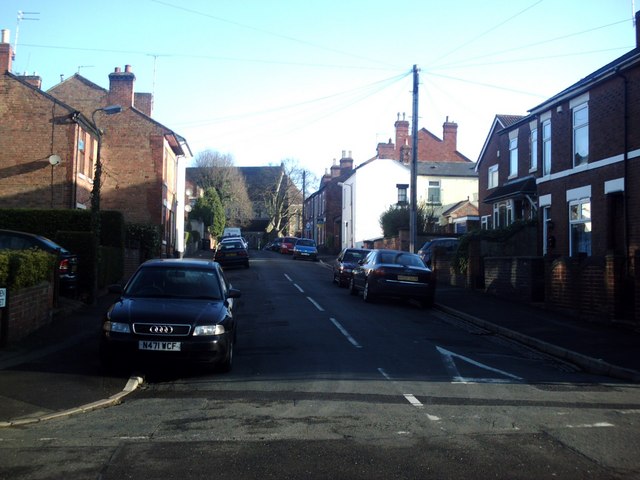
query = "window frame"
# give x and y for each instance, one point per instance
(492, 177)
(546, 147)
(578, 220)
(583, 129)
(513, 157)
(435, 185)
(533, 149)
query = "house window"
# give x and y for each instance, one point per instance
(492, 181)
(503, 214)
(513, 157)
(581, 135)
(580, 226)
(402, 194)
(533, 150)
(485, 222)
(433, 192)
(546, 147)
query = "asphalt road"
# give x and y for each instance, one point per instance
(325, 385)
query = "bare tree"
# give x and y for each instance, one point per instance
(283, 200)
(217, 170)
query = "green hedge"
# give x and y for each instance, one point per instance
(25, 268)
(72, 230)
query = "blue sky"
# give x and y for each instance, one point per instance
(266, 80)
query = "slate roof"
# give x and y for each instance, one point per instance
(447, 169)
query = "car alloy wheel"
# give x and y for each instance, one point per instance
(366, 293)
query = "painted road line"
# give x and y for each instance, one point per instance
(298, 287)
(288, 277)
(345, 333)
(449, 363)
(315, 304)
(409, 397)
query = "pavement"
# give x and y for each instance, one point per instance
(41, 378)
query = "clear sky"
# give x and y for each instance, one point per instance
(266, 80)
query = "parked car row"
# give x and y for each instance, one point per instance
(385, 273)
(304, 248)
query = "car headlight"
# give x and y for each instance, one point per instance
(202, 330)
(116, 327)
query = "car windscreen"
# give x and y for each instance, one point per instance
(175, 282)
(354, 256)
(406, 259)
(305, 243)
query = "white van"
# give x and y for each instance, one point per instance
(232, 232)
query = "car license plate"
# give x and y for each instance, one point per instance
(159, 346)
(407, 278)
(231, 254)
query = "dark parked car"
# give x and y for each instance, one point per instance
(232, 253)
(172, 309)
(305, 248)
(275, 244)
(287, 244)
(447, 246)
(67, 263)
(344, 263)
(393, 273)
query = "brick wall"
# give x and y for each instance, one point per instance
(27, 310)
(514, 277)
(588, 287)
(32, 128)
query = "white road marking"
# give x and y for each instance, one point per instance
(449, 363)
(409, 397)
(592, 425)
(315, 304)
(413, 400)
(288, 277)
(298, 287)
(345, 333)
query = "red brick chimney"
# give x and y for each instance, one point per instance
(346, 163)
(402, 133)
(121, 87)
(450, 135)
(6, 53)
(335, 168)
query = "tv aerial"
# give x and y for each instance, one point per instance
(22, 16)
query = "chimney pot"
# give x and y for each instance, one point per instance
(127, 68)
(117, 70)
(5, 36)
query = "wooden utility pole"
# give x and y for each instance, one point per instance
(413, 207)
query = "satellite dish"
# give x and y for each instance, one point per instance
(54, 160)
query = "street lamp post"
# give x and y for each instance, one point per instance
(95, 196)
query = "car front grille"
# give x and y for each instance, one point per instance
(162, 329)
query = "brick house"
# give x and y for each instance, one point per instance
(47, 148)
(143, 160)
(445, 177)
(572, 164)
(323, 208)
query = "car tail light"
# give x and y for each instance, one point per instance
(379, 272)
(64, 266)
